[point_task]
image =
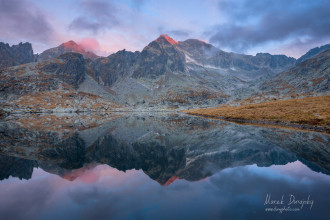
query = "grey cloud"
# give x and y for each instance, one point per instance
(23, 20)
(259, 22)
(179, 33)
(176, 33)
(83, 23)
(96, 15)
(25, 202)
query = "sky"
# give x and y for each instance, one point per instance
(289, 27)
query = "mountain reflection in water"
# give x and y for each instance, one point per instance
(174, 150)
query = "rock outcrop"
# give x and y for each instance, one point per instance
(158, 58)
(70, 68)
(15, 54)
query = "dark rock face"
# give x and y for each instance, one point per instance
(16, 167)
(16, 54)
(157, 58)
(276, 62)
(313, 52)
(71, 71)
(67, 47)
(312, 75)
(70, 152)
(108, 70)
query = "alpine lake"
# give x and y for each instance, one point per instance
(159, 166)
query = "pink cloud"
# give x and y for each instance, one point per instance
(90, 44)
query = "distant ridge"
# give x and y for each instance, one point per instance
(313, 52)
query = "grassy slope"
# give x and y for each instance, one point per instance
(310, 111)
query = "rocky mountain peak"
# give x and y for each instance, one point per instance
(165, 38)
(70, 44)
(66, 47)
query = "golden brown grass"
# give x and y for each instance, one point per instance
(311, 111)
(49, 100)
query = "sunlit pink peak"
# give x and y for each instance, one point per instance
(168, 182)
(70, 43)
(171, 180)
(73, 46)
(165, 37)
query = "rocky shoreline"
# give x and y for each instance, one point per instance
(267, 122)
(325, 129)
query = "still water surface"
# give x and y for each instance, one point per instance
(159, 167)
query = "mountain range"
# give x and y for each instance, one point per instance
(166, 74)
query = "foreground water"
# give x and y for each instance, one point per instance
(159, 167)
